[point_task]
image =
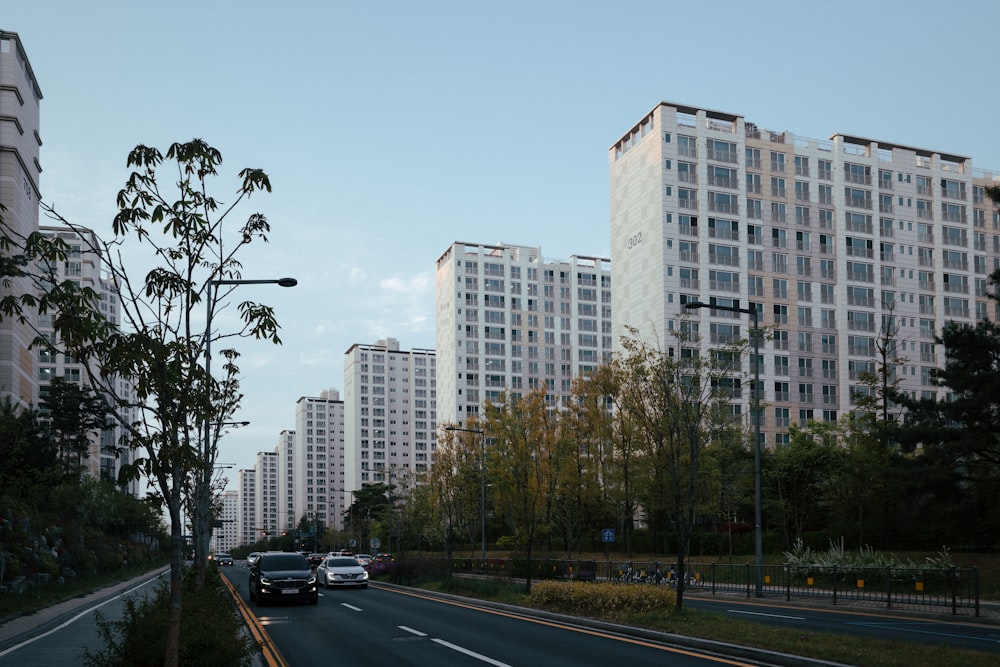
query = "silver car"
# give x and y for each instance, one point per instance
(341, 572)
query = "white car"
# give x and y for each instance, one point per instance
(341, 572)
(364, 559)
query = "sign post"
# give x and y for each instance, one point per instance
(607, 536)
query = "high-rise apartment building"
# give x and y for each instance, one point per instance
(510, 320)
(287, 515)
(266, 484)
(390, 415)
(20, 173)
(86, 268)
(319, 459)
(839, 244)
(225, 536)
(247, 521)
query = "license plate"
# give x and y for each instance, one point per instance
(289, 591)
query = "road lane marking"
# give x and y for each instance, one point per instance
(473, 654)
(660, 646)
(411, 630)
(350, 606)
(757, 613)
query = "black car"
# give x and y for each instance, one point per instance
(315, 559)
(279, 575)
(222, 559)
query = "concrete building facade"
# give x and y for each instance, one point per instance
(319, 459)
(507, 319)
(247, 521)
(839, 245)
(390, 416)
(20, 193)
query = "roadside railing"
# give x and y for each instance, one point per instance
(954, 588)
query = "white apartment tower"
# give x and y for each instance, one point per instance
(286, 480)
(84, 266)
(226, 537)
(266, 483)
(834, 242)
(20, 173)
(247, 521)
(390, 413)
(319, 459)
(510, 320)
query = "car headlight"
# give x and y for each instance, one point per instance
(265, 580)
(364, 575)
(312, 580)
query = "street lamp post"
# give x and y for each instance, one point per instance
(203, 490)
(755, 406)
(482, 478)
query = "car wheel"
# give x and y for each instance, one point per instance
(314, 600)
(251, 594)
(364, 585)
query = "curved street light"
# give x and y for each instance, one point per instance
(203, 491)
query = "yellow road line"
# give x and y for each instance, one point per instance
(272, 657)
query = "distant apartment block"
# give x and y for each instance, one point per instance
(509, 319)
(266, 484)
(390, 413)
(318, 459)
(20, 193)
(838, 244)
(287, 515)
(248, 523)
(225, 537)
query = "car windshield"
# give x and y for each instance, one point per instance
(283, 562)
(341, 562)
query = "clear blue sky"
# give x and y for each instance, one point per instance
(391, 129)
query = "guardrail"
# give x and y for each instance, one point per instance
(954, 588)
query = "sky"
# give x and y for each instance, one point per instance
(391, 129)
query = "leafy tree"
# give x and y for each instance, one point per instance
(30, 460)
(961, 434)
(159, 349)
(372, 503)
(680, 405)
(621, 451)
(800, 477)
(523, 433)
(576, 504)
(72, 415)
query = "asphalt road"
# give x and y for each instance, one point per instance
(393, 625)
(403, 627)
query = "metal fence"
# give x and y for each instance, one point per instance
(955, 588)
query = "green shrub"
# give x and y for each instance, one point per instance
(600, 599)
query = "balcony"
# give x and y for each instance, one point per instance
(722, 181)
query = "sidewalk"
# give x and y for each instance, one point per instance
(17, 629)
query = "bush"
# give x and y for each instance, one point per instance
(600, 599)
(212, 631)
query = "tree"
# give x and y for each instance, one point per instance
(159, 348)
(72, 415)
(801, 476)
(680, 405)
(959, 434)
(523, 433)
(372, 503)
